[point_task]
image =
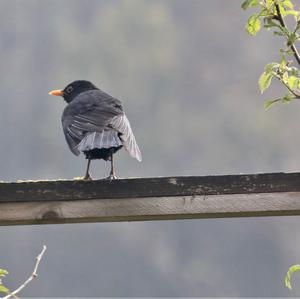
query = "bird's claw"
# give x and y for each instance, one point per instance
(111, 177)
(87, 177)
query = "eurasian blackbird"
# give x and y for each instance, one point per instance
(94, 123)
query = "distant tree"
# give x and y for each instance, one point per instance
(271, 16)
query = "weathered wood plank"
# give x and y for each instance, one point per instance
(149, 187)
(151, 208)
(274, 194)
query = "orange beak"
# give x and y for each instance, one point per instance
(56, 92)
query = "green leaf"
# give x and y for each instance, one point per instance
(278, 33)
(253, 24)
(249, 3)
(285, 77)
(269, 68)
(294, 71)
(288, 276)
(291, 12)
(3, 272)
(283, 61)
(269, 3)
(265, 81)
(291, 39)
(288, 4)
(265, 13)
(4, 289)
(293, 82)
(287, 98)
(269, 23)
(268, 104)
(297, 26)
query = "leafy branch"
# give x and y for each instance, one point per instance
(272, 14)
(282, 23)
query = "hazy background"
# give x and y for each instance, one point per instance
(187, 74)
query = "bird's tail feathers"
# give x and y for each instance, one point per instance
(122, 125)
(104, 139)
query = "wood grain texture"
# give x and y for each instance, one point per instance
(149, 187)
(151, 208)
(273, 194)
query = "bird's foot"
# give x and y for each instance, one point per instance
(87, 177)
(111, 177)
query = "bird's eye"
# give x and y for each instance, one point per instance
(69, 89)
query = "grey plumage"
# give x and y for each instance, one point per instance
(105, 139)
(94, 123)
(121, 124)
(94, 119)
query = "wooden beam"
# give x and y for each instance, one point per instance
(273, 194)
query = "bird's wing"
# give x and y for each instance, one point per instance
(121, 124)
(89, 112)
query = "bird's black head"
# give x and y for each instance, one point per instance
(73, 89)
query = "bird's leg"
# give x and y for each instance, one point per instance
(87, 173)
(112, 174)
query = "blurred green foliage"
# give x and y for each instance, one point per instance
(3, 288)
(288, 277)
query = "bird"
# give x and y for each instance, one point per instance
(94, 123)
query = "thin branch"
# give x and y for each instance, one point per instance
(297, 96)
(15, 296)
(282, 23)
(32, 276)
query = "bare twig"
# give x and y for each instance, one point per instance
(282, 23)
(32, 276)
